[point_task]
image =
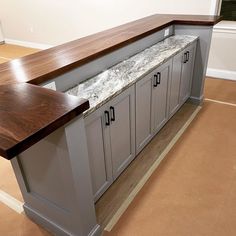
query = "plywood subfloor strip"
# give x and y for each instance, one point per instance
(220, 102)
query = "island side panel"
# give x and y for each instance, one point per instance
(55, 182)
(201, 57)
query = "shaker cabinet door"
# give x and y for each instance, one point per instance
(122, 131)
(187, 73)
(143, 111)
(174, 91)
(99, 153)
(160, 96)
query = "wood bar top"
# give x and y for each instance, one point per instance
(29, 113)
(44, 65)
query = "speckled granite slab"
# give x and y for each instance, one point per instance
(106, 85)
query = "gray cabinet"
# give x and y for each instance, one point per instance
(188, 57)
(160, 96)
(151, 104)
(122, 131)
(144, 111)
(111, 140)
(181, 79)
(174, 89)
(98, 142)
(121, 128)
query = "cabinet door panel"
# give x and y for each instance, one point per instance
(160, 98)
(174, 101)
(187, 72)
(98, 150)
(122, 131)
(143, 112)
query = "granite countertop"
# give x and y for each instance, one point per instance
(111, 82)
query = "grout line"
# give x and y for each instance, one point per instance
(11, 202)
(220, 102)
(145, 178)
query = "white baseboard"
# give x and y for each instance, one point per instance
(222, 74)
(28, 44)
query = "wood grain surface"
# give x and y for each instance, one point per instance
(29, 113)
(47, 64)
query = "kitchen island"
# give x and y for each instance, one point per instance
(48, 134)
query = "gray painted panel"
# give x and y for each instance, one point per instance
(64, 156)
(160, 97)
(174, 90)
(99, 152)
(84, 217)
(187, 74)
(201, 58)
(122, 131)
(41, 185)
(143, 111)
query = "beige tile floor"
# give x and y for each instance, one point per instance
(190, 194)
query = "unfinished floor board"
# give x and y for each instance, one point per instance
(12, 224)
(14, 51)
(193, 190)
(8, 181)
(221, 90)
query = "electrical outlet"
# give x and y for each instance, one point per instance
(51, 86)
(167, 31)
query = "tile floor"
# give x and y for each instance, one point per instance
(191, 193)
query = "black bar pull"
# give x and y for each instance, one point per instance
(155, 81)
(158, 78)
(187, 56)
(113, 116)
(107, 118)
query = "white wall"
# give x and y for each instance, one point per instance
(1, 35)
(58, 21)
(222, 59)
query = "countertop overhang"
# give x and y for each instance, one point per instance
(35, 113)
(28, 113)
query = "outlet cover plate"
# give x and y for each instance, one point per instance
(167, 32)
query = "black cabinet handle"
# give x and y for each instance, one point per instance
(113, 116)
(155, 81)
(107, 118)
(158, 78)
(187, 56)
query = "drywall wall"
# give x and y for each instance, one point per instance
(1, 35)
(54, 22)
(222, 63)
